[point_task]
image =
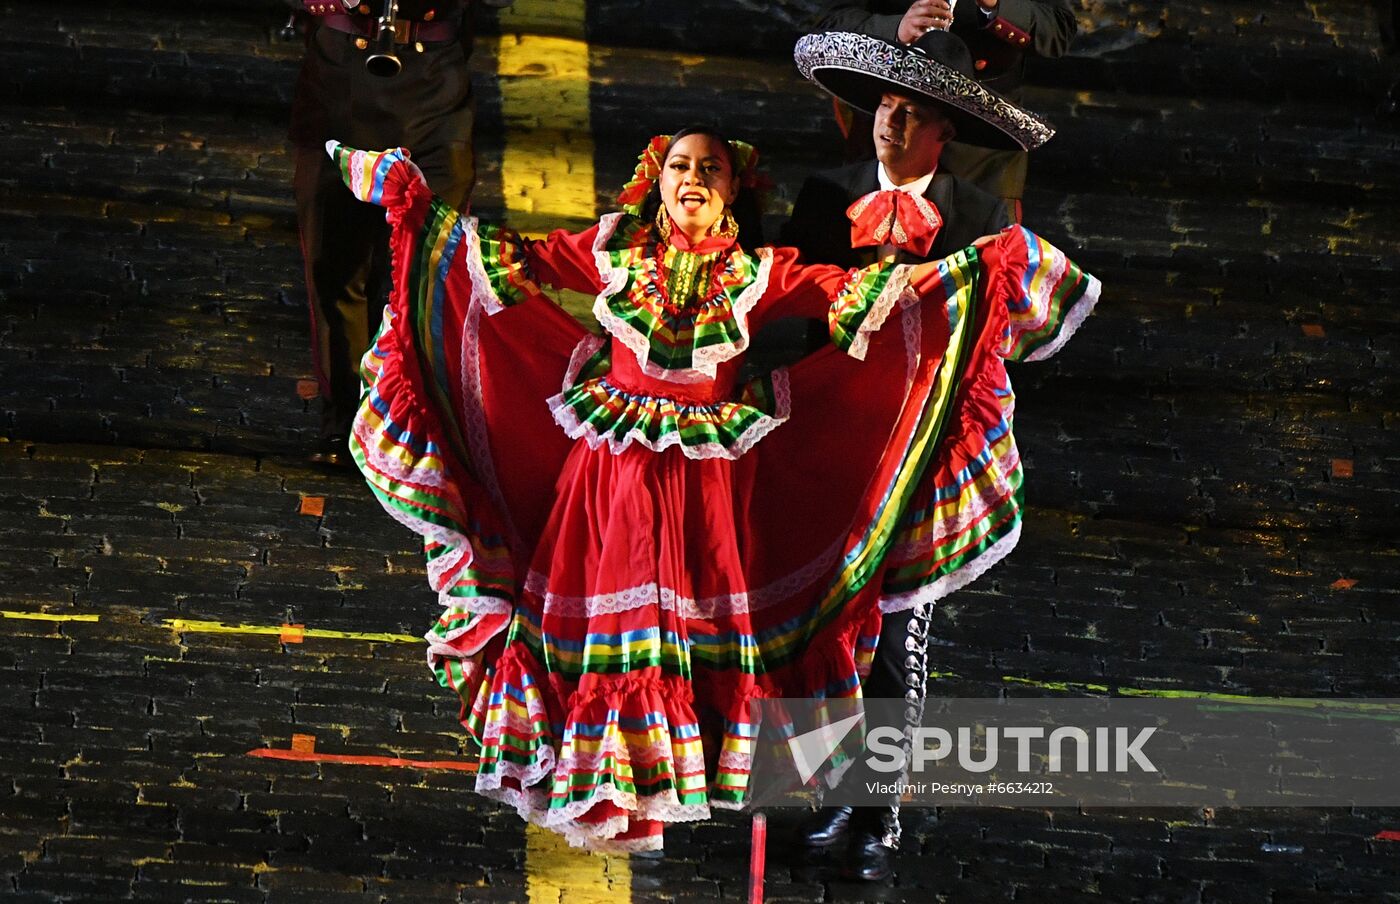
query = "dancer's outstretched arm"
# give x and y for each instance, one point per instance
(515, 266)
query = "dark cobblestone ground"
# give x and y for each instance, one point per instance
(1211, 462)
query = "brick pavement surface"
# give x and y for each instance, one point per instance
(1211, 463)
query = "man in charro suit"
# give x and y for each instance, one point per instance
(1001, 35)
(426, 107)
(913, 124)
(911, 133)
(901, 206)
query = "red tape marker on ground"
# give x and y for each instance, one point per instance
(759, 843)
(1388, 835)
(313, 757)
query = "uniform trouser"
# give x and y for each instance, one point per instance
(1389, 15)
(345, 248)
(426, 108)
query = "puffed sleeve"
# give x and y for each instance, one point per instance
(865, 301)
(515, 267)
(854, 303)
(567, 260)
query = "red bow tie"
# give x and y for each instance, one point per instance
(898, 218)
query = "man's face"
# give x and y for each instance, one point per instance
(909, 135)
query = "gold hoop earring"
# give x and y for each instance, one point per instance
(663, 224)
(726, 225)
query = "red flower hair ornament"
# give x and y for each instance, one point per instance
(634, 193)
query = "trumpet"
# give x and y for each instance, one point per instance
(382, 61)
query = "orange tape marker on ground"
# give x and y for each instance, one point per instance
(1343, 584)
(304, 743)
(308, 389)
(1342, 467)
(1313, 330)
(311, 756)
(293, 633)
(315, 506)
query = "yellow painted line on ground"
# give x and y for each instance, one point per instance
(547, 165)
(1057, 685)
(1289, 704)
(188, 626)
(558, 874)
(48, 616)
(547, 183)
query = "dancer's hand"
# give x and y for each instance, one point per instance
(386, 178)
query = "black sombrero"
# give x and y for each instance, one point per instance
(858, 69)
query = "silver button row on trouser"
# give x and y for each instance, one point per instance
(916, 680)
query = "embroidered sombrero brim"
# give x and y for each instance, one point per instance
(858, 69)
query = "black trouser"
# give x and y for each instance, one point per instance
(426, 108)
(890, 677)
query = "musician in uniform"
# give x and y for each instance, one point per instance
(426, 106)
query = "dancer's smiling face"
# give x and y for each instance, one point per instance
(697, 183)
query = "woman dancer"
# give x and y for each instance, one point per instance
(629, 546)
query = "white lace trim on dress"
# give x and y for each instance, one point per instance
(895, 292)
(704, 360)
(1073, 320)
(566, 418)
(724, 605)
(956, 580)
(482, 292)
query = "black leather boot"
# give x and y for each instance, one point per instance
(827, 826)
(874, 842)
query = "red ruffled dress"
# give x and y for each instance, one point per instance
(629, 545)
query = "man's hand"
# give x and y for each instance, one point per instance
(925, 15)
